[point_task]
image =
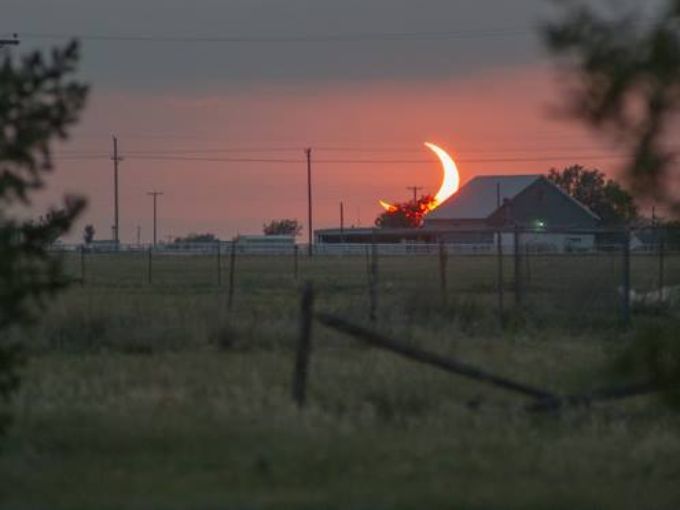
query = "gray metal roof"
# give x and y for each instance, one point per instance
(477, 199)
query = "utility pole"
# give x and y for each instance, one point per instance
(116, 159)
(139, 235)
(14, 41)
(342, 217)
(415, 191)
(342, 222)
(155, 195)
(308, 153)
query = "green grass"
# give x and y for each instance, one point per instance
(139, 396)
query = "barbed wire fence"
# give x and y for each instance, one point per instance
(573, 276)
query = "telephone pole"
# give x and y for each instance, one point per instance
(116, 159)
(308, 153)
(155, 195)
(342, 222)
(342, 217)
(415, 191)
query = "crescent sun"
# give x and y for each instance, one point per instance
(450, 181)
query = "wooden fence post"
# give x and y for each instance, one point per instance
(82, 265)
(527, 264)
(232, 270)
(304, 345)
(443, 258)
(625, 280)
(518, 267)
(499, 251)
(661, 247)
(296, 249)
(150, 265)
(219, 263)
(373, 284)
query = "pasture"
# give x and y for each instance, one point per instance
(157, 395)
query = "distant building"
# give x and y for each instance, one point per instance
(527, 201)
(265, 244)
(486, 204)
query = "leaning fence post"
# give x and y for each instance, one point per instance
(661, 246)
(149, 269)
(443, 257)
(82, 265)
(373, 284)
(303, 346)
(232, 269)
(518, 267)
(625, 280)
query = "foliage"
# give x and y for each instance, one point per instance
(627, 85)
(284, 227)
(38, 103)
(655, 356)
(605, 197)
(198, 238)
(406, 214)
(88, 234)
(373, 418)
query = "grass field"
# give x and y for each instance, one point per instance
(158, 396)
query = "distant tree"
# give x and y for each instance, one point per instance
(406, 214)
(284, 227)
(605, 197)
(88, 234)
(38, 103)
(197, 238)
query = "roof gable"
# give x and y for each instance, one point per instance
(478, 198)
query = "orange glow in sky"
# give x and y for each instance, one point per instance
(450, 181)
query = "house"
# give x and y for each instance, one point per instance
(549, 218)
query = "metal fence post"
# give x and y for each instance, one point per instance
(296, 249)
(499, 252)
(219, 264)
(82, 265)
(150, 265)
(304, 345)
(527, 264)
(373, 284)
(625, 280)
(518, 267)
(443, 258)
(232, 270)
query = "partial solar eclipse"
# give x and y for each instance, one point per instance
(450, 181)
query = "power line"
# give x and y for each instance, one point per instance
(196, 152)
(415, 190)
(294, 39)
(362, 161)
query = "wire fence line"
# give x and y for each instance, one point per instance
(574, 275)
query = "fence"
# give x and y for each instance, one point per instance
(574, 275)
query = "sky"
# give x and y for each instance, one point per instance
(214, 101)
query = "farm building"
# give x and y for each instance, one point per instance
(550, 218)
